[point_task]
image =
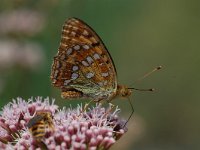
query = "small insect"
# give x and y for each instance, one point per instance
(40, 124)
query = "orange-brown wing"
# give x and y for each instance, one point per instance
(83, 67)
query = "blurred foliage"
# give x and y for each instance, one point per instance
(140, 35)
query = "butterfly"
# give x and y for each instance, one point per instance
(83, 67)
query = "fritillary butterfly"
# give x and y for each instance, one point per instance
(83, 67)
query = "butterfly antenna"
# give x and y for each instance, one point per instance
(132, 111)
(148, 73)
(151, 90)
(144, 76)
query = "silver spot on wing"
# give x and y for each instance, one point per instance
(90, 75)
(96, 56)
(85, 63)
(75, 68)
(74, 76)
(90, 60)
(86, 47)
(104, 74)
(77, 47)
(66, 82)
(69, 51)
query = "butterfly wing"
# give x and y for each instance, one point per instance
(83, 67)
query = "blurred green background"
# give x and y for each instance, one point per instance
(140, 35)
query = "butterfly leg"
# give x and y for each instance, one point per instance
(111, 107)
(86, 106)
(132, 111)
(100, 101)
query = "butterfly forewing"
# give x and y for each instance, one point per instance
(83, 66)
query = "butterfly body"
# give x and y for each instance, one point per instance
(83, 67)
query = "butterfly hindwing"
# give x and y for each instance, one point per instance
(83, 65)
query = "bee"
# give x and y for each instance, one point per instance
(39, 124)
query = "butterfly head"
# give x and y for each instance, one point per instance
(123, 91)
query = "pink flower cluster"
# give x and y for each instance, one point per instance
(96, 129)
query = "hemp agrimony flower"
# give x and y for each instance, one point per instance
(96, 128)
